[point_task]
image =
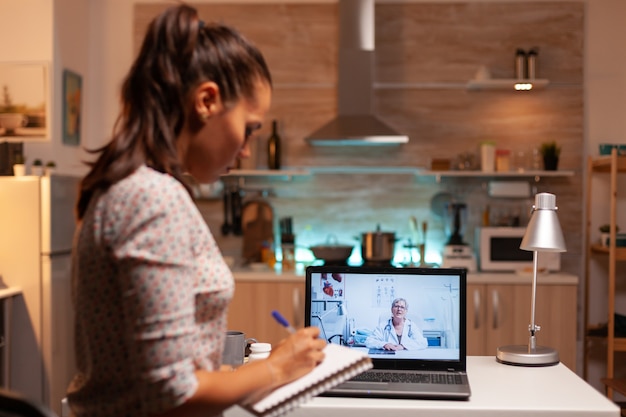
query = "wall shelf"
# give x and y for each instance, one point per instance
(506, 84)
(508, 174)
(290, 173)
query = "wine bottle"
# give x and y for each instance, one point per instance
(273, 148)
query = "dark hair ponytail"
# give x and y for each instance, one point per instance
(178, 53)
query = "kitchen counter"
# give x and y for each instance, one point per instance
(556, 278)
(497, 390)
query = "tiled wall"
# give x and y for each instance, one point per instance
(425, 53)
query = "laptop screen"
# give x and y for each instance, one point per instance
(404, 318)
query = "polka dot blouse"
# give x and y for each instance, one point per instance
(150, 292)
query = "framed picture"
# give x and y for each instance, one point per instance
(72, 115)
(24, 98)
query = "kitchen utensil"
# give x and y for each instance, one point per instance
(257, 220)
(332, 251)
(378, 246)
(439, 202)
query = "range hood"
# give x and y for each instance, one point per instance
(355, 123)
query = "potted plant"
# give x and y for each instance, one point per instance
(19, 165)
(50, 167)
(37, 168)
(605, 231)
(550, 151)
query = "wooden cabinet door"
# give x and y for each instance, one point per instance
(251, 309)
(499, 315)
(556, 314)
(508, 312)
(476, 319)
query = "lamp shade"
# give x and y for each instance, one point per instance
(544, 233)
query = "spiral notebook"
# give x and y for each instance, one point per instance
(340, 364)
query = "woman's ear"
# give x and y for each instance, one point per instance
(207, 99)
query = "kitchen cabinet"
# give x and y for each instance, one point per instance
(498, 314)
(251, 308)
(612, 165)
(498, 309)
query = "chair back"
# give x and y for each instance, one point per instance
(13, 404)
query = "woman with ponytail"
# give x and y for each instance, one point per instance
(150, 287)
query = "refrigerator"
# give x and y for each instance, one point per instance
(37, 225)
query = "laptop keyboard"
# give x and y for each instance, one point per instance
(414, 377)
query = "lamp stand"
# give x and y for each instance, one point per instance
(531, 354)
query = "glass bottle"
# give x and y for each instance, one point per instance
(273, 148)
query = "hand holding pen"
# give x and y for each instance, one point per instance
(305, 342)
(283, 321)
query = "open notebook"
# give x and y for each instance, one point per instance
(419, 311)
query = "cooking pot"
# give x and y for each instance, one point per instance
(378, 246)
(332, 251)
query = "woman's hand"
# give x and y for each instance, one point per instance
(296, 356)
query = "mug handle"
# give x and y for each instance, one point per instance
(250, 341)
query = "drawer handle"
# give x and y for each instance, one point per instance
(476, 309)
(496, 309)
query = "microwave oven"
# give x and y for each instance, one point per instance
(498, 249)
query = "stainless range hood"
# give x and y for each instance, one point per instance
(355, 123)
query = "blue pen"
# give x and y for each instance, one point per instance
(283, 321)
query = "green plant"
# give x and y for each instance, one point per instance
(550, 150)
(51, 164)
(19, 159)
(37, 163)
(606, 228)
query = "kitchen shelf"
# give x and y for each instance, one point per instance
(367, 170)
(286, 174)
(612, 165)
(506, 84)
(508, 174)
(620, 252)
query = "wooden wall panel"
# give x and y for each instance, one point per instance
(428, 42)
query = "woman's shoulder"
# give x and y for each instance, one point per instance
(147, 186)
(146, 192)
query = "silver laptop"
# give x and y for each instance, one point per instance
(410, 321)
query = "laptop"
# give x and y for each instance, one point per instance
(410, 321)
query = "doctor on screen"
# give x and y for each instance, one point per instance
(399, 333)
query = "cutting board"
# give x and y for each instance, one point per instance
(257, 220)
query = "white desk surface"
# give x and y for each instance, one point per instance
(497, 390)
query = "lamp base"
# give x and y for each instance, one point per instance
(522, 355)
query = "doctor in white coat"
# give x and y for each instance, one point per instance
(399, 333)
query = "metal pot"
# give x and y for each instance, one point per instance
(378, 246)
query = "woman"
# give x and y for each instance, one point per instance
(399, 333)
(151, 289)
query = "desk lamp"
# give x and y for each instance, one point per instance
(543, 234)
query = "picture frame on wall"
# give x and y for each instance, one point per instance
(24, 101)
(72, 113)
